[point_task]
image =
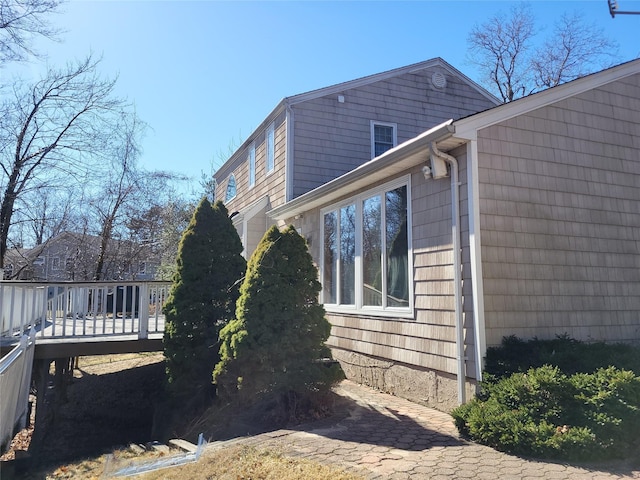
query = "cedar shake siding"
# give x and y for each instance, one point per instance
(333, 137)
(383, 351)
(270, 184)
(323, 134)
(560, 216)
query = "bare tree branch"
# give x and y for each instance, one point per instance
(503, 48)
(574, 50)
(20, 22)
(500, 47)
(56, 126)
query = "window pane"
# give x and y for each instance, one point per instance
(347, 254)
(372, 251)
(231, 188)
(383, 138)
(397, 248)
(330, 257)
(252, 166)
(271, 140)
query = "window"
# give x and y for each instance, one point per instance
(142, 268)
(55, 263)
(270, 140)
(252, 165)
(383, 137)
(231, 188)
(365, 264)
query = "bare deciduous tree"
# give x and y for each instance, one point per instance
(123, 192)
(503, 47)
(574, 50)
(53, 129)
(20, 22)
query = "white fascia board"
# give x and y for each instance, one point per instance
(468, 127)
(392, 162)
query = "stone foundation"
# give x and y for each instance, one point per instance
(427, 387)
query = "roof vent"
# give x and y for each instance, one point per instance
(439, 80)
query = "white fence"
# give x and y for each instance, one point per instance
(15, 377)
(74, 309)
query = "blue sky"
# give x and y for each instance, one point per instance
(203, 74)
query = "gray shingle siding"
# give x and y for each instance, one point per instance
(332, 138)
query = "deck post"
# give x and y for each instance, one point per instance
(143, 311)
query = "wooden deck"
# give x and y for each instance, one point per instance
(74, 319)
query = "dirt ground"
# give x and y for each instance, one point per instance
(110, 403)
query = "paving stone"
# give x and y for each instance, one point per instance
(388, 438)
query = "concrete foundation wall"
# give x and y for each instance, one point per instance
(428, 387)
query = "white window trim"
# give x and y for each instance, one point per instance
(251, 158)
(396, 312)
(270, 147)
(373, 123)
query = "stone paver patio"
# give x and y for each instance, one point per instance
(387, 437)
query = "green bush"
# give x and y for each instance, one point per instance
(545, 413)
(570, 355)
(610, 407)
(275, 344)
(202, 298)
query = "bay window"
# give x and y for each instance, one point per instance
(366, 251)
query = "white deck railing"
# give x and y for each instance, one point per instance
(74, 309)
(15, 378)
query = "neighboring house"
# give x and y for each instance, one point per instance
(74, 256)
(523, 219)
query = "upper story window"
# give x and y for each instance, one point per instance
(252, 165)
(270, 140)
(383, 137)
(366, 252)
(231, 188)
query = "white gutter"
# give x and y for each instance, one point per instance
(457, 267)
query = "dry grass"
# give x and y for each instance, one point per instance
(233, 463)
(116, 360)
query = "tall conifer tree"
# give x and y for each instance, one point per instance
(203, 297)
(277, 339)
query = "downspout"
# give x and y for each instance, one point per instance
(475, 251)
(457, 267)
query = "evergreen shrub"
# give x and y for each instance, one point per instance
(275, 346)
(202, 298)
(546, 412)
(570, 355)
